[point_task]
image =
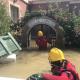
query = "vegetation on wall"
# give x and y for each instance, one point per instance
(69, 22)
(4, 19)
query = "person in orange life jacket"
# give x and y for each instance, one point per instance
(41, 41)
(61, 68)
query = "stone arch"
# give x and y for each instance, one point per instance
(40, 20)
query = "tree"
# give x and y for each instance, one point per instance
(4, 19)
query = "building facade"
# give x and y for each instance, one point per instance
(15, 8)
(70, 5)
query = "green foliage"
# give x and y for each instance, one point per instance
(32, 14)
(67, 21)
(76, 20)
(4, 19)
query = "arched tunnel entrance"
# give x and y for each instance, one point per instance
(48, 32)
(50, 28)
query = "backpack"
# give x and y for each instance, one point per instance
(75, 75)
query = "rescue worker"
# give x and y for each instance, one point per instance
(41, 41)
(61, 68)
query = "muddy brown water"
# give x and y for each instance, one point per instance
(27, 63)
(30, 62)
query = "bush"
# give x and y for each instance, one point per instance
(4, 19)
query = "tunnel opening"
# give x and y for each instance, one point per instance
(48, 33)
(52, 31)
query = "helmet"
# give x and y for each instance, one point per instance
(56, 54)
(40, 33)
(35, 77)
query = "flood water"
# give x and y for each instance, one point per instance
(30, 62)
(27, 63)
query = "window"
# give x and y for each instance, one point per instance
(2, 50)
(14, 13)
(10, 44)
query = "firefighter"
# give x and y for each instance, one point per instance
(41, 41)
(61, 68)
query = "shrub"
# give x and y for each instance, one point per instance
(4, 19)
